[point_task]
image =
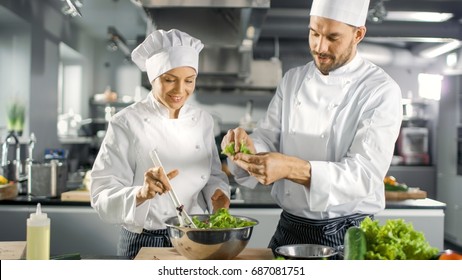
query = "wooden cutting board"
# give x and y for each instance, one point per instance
(148, 253)
(412, 193)
(8, 191)
(12, 250)
(77, 195)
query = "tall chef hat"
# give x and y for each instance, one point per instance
(163, 50)
(352, 12)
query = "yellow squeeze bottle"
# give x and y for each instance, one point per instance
(38, 236)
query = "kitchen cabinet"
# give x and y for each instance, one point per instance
(425, 215)
(268, 219)
(76, 227)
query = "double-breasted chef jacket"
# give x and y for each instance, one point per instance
(186, 144)
(345, 124)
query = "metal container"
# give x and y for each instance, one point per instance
(306, 252)
(47, 179)
(208, 244)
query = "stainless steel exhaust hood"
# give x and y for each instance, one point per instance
(229, 30)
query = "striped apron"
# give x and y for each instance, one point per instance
(292, 229)
(130, 243)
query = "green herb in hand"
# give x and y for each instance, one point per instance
(229, 149)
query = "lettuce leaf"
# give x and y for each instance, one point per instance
(229, 149)
(395, 240)
(222, 219)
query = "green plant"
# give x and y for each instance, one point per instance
(16, 116)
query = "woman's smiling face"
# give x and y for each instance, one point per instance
(174, 87)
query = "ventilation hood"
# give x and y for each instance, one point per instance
(229, 30)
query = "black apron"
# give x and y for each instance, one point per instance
(130, 243)
(292, 229)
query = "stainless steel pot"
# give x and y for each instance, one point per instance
(306, 252)
(47, 179)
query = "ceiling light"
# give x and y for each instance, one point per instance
(72, 8)
(451, 59)
(117, 42)
(377, 12)
(418, 16)
(435, 51)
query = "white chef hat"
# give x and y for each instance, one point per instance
(163, 50)
(352, 12)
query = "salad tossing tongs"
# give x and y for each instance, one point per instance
(183, 217)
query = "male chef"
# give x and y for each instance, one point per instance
(327, 139)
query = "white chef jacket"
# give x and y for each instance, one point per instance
(345, 124)
(186, 144)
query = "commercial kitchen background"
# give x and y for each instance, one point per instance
(64, 67)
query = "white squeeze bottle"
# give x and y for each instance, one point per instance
(38, 236)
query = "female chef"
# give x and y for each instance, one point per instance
(126, 188)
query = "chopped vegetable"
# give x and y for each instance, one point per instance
(229, 149)
(396, 188)
(392, 185)
(395, 240)
(390, 180)
(222, 219)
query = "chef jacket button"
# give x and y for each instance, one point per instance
(322, 136)
(203, 177)
(147, 120)
(165, 212)
(299, 103)
(193, 119)
(198, 147)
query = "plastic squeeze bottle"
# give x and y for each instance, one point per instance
(38, 236)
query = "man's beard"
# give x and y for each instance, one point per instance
(334, 62)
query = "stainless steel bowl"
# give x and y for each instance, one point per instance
(306, 251)
(208, 244)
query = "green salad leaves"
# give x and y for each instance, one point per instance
(395, 240)
(229, 149)
(222, 219)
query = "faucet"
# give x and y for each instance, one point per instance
(32, 142)
(8, 172)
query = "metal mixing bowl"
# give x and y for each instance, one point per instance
(208, 244)
(306, 251)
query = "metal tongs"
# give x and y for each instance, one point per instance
(183, 217)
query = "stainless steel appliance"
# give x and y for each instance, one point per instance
(413, 145)
(47, 179)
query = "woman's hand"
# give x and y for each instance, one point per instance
(219, 200)
(238, 136)
(155, 182)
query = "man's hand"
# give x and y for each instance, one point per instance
(268, 168)
(219, 200)
(238, 136)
